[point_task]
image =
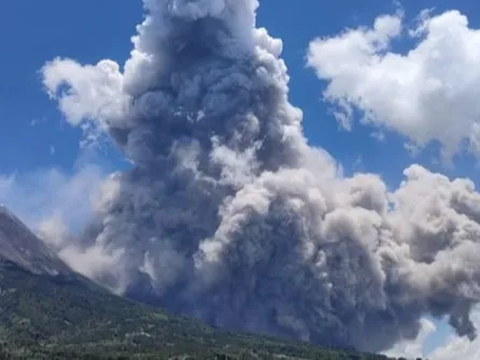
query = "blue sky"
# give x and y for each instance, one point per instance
(33, 135)
(37, 32)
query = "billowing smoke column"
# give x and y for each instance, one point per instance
(228, 215)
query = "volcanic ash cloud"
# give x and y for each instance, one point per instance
(229, 216)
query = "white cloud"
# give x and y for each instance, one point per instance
(413, 349)
(454, 348)
(94, 92)
(428, 94)
(459, 347)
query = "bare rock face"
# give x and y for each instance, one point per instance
(19, 245)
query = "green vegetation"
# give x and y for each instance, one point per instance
(43, 317)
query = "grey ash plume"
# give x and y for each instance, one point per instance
(228, 215)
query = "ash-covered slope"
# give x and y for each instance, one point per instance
(19, 245)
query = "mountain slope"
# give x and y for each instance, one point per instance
(41, 314)
(48, 311)
(20, 246)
